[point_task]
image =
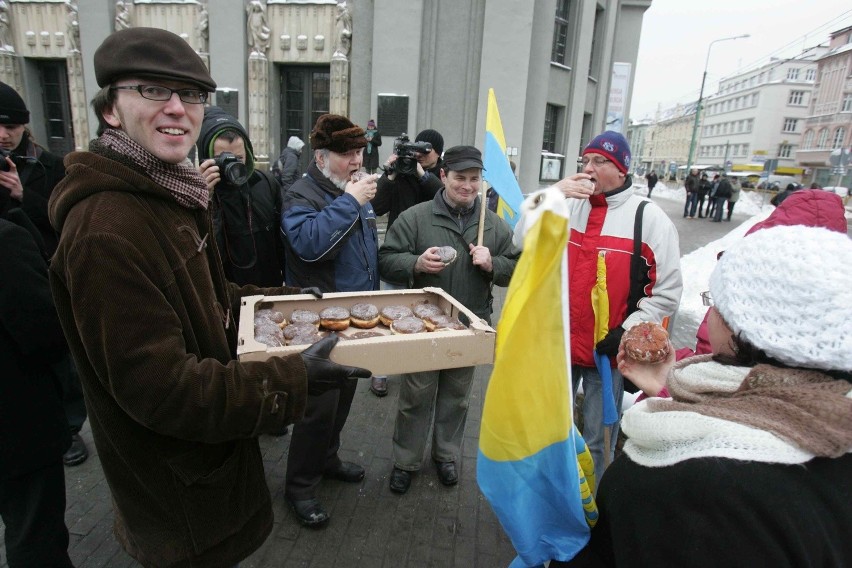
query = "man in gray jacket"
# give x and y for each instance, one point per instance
(408, 256)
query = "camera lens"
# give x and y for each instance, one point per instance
(236, 173)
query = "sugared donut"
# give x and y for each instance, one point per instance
(423, 310)
(365, 334)
(646, 342)
(447, 254)
(272, 315)
(305, 316)
(335, 318)
(270, 340)
(431, 321)
(407, 325)
(449, 325)
(295, 329)
(265, 326)
(365, 316)
(305, 338)
(389, 314)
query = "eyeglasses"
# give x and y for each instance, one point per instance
(157, 93)
(706, 298)
(597, 161)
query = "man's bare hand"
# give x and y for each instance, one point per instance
(429, 262)
(12, 181)
(578, 186)
(210, 172)
(363, 190)
(481, 257)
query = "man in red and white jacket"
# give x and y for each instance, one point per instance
(603, 213)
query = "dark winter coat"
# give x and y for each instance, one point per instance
(756, 523)
(331, 241)
(246, 218)
(371, 150)
(704, 187)
(151, 322)
(33, 429)
(39, 175)
(395, 196)
(691, 184)
(286, 168)
(724, 190)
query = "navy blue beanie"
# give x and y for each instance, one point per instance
(612, 145)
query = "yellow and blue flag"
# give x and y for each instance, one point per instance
(498, 172)
(533, 465)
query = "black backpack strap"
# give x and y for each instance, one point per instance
(638, 269)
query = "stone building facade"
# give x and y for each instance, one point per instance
(410, 65)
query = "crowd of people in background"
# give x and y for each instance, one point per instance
(176, 416)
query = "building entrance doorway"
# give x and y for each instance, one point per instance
(304, 98)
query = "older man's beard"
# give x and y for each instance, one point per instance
(340, 183)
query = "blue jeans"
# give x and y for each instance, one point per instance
(593, 428)
(689, 206)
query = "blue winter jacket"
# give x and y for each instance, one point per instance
(330, 241)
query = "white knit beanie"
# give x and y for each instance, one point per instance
(787, 290)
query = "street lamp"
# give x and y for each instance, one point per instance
(701, 99)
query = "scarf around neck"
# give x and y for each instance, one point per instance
(765, 414)
(182, 180)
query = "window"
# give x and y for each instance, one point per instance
(559, 51)
(847, 103)
(810, 75)
(754, 98)
(551, 121)
(823, 138)
(809, 140)
(597, 47)
(839, 134)
(792, 74)
(790, 124)
(796, 98)
(785, 150)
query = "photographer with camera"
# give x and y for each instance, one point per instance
(246, 202)
(27, 171)
(412, 174)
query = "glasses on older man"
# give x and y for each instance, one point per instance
(706, 298)
(158, 93)
(597, 161)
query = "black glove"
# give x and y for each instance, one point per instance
(313, 290)
(609, 344)
(323, 373)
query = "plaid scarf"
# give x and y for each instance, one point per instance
(182, 180)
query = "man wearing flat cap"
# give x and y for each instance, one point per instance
(151, 320)
(331, 243)
(409, 254)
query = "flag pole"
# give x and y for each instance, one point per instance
(482, 207)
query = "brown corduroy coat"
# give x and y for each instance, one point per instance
(150, 320)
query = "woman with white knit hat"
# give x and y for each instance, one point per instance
(750, 462)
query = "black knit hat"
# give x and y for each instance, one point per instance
(434, 138)
(337, 133)
(12, 107)
(150, 52)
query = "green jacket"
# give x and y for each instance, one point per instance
(429, 225)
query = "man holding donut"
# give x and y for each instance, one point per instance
(151, 320)
(331, 244)
(605, 217)
(438, 400)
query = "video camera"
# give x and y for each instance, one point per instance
(406, 155)
(231, 168)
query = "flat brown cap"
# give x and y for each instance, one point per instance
(150, 52)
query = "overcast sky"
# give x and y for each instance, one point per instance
(677, 33)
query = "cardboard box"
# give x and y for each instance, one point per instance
(386, 355)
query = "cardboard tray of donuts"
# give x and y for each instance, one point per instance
(387, 331)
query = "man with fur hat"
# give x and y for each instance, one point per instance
(605, 215)
(332, 244)
(151, 319)
(246, 212)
